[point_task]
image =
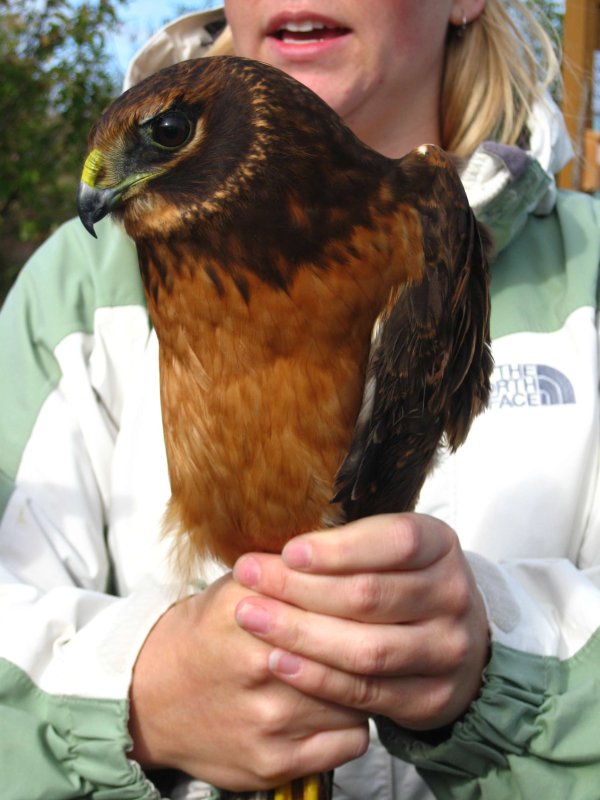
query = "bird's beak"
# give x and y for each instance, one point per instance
(95, 202)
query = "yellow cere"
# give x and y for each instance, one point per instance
(93, 164)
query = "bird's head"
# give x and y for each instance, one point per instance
(233, 160)
(180, 142)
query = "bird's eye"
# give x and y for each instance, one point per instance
(171, 129)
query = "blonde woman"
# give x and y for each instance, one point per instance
(468, 630)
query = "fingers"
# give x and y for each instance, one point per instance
(382, 616)
(321, 752)
(295, 719)
(368, 597)
(415, 702)
(355, 647)
(384, 542)
(406, 576)
(328, 750)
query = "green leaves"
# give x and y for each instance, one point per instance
(55, 79)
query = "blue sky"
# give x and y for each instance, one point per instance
(141, 18)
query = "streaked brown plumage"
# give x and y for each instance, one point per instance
(272, 243)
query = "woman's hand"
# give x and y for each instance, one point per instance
(203, 700)
(381, 615)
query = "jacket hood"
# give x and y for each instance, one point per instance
(189, 36)
(504, 183)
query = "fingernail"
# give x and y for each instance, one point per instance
(247, 571)
(253, 618)
(286, 663)
(298, 554)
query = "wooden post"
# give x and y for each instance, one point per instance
(580, 39)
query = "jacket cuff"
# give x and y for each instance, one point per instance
(510, 695)
(501, 721)
(64, 747)
(71, 720)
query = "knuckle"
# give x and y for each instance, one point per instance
(283, 582)
(451, 651)
(460, 594)
(323, 683)
(370, 659)
(437, 699)
(404, 535)
(365, 595)
(294, 637)
(256, 669)
(450, 646)
(450, 538)
(460, 646)
(272, 718)
(366, 693)
(268, 769)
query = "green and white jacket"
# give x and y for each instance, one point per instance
(83, 483)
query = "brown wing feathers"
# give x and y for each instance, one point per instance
(428, 374)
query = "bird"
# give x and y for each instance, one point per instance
(322, 310)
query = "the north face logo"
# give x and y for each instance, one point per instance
(518, 385)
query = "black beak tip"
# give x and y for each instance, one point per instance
(93, 205)
(89, 226)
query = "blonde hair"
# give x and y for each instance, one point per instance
(495, 70)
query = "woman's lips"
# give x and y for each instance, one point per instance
(291, 32)
(307, 32)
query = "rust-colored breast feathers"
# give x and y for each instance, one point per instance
(261, 389)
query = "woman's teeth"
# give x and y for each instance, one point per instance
(307, 31)
(303, 27)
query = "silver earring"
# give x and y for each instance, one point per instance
(460, 29)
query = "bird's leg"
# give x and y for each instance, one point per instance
(313, 787)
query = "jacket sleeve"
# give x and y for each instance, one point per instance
(70, 332)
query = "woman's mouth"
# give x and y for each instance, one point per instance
(306, 32)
